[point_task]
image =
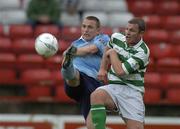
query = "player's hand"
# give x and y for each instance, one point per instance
(110, 52)
(102, 76)
(70, 50)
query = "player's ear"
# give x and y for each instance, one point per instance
(141, 33)
(98, 30)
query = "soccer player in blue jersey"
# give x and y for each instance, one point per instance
(128, 56)
(81, 63)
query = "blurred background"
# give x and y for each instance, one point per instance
(30, 84)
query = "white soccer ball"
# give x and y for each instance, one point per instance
(46, 45)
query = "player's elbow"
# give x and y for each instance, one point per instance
(119, 71)
(92, 51)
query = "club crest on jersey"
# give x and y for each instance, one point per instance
(102, 41)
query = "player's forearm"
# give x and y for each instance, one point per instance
(104, 63)
(89, 49)
(105, 60)
(116, 64)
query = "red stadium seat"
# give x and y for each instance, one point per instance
(8, 76)
(53, 29)
(39, 93)
(63, 45)
(8, 60)
(1, 31)
(54, 63)
(23, 46)
(177, 50)
(152, 79)
(171, 23)
(5, 45)
(153, 21)
(20, 31)
(57, 77)
(152, 96)
(61, 95)
(156, 36)
(70, 33)
(161, 50)
(30, 61)
(151, 65)
(171, 80)
(107, 30)
(175, 37)
(167, 8)
(173, 96)
(139, 8)
(168, 64)
(36, 76)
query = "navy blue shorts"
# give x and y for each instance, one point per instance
(81, 93)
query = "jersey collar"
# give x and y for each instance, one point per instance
(81, 38)
(138, 44)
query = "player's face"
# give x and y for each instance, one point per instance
(89, 29)
(132, 34)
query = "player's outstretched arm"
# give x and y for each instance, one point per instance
(89, 49)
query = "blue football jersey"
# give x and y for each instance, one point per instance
(90, 64)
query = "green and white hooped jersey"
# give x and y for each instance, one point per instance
(134, 62)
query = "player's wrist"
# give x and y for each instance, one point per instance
(71, 51)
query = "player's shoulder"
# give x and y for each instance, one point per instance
(102, 36)
(77, 42)
(144, 47)
(118, 36)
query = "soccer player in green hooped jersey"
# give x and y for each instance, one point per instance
(128, 57)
